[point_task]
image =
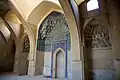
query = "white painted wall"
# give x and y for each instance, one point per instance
(47, 64)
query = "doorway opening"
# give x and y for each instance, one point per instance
(60, 65)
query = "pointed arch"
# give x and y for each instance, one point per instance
(40, 17)
(97, 45)
(31, 35)
(55, 59)
(3, 36)
(35, 21)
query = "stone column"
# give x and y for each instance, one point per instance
(16, 61)
(32, 53)
(83, 14)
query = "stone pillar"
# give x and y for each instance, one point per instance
(31, 68)
(32, 53)
(83, 14)
(16, 61)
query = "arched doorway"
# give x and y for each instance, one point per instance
(99, 63)
(60, 65)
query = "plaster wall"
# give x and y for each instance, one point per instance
(47, 64)
(101, 62)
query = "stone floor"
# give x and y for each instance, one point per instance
(12, 76)
(15, 77)
(25, 78)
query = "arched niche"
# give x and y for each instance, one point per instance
(98, 52)
(54, 33)
(59, 64)
(36, 19)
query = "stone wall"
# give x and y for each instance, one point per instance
(113, 8)
(7, 54)
(2, 55)
(99, 59)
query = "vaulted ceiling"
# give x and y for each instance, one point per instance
(79, 1)
(4, 8)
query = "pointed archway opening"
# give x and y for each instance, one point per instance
(60, 65)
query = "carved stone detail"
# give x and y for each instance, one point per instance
(97, 35)
(53, 28)
(26, 44)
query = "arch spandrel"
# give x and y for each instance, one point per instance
(36, 17)
(11, 16)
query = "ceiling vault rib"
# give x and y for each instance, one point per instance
(3, 37)
(9, 27)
